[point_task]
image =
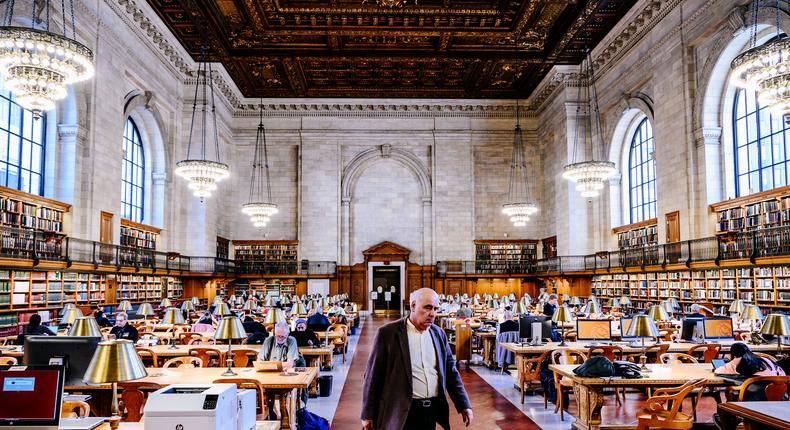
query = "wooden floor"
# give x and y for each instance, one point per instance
(492, 410)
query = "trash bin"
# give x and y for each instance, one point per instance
(325, 386)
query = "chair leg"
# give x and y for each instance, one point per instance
(558, 403)
(694, 407)
(617, 397)
(523, 389)
(562, 409)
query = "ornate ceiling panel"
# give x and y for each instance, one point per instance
(365, 48)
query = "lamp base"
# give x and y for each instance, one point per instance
(114, 420)
(229, 372)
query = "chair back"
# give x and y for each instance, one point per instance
(612, 352)
(531, 368)
(248, 384)
(147, 353)
(677, 358)
(707, 351)
(666, 402)
(133, 399)
(765, 356)
(653, 352)
(568, 356)
(212, 357)
(8, 361)
(189, 362)
(186, 337)
(776, 387)
(75, 409)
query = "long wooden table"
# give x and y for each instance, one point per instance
(259, 425)
(285, 387)
(589, 391)
(774, 415)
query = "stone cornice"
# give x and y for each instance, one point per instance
(378, 109)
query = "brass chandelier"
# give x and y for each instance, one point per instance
(520, 205)
(260, 207)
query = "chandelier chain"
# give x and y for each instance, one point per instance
(210, 78)
(194, 108)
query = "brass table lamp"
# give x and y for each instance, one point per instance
(85, 326)
(777, 325)
(643, 326)
(173, 316)
(274, 316)
(575, 301)
(737, 307)
(70, 316)
(125, 306)
(613, 303)
(115, 361)
(751, 313)
(625, 301)
(146, 310)
(165, 303)
(188, 307)
(230, 327)
(195, 301)
(249, 306)
(222, 309)
(298, 308)
(562, 315)
(592, 307)
(658, 313)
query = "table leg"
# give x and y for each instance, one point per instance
(488, 350)
(590, 401)
(287, 408)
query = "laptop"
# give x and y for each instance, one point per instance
(87, 423)
(30, 397)
(734, 378)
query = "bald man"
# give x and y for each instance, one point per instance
(409, 370)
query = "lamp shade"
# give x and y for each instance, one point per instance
(115, 361)
(165, 303)
(592, 307)
(85, 326)
(673, 302)
(232, 298)
(70, 316)
(222, 309)
(751, 313)
(496, 296)
(249, 305)
(575, 301)
(737, 307)
(145, 309)
(217, 300)
(562, 314)
(195, 301)
(592, 298)
(527, 300)
(613, 303)
(298, 308)
(475, 301)
(269, 301)
(173, 316)
(230, 327)
(69, 306)
(187, 306)
(625, 301)
(776, 324)
(667, 306)
(124, 306)
(520, 308)
(274, 316)
(658, 313)
(642, 326)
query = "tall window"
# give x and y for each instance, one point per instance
(760, 146)
(132, 174)
(642, 173)
(22, 141)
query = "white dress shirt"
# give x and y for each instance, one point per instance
(424, 376)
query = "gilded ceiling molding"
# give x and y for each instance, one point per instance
(381, 110)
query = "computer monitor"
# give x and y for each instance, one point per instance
(719, 328)
(590, 329)
(689, 326)
(75, 353)
(30, 397)
(624, 324)
(525, 326)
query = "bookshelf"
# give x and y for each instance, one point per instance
(36, 223)
(146, 288)
(639, 234)
(549, 247)
(278, 287)
(223, 247)
(766, 286)
(760, 210)
(138, 241)
(495, 256)
(265, 250)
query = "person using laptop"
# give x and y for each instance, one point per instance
(124, 330)
(746, 364)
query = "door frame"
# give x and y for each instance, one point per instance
(402, 266)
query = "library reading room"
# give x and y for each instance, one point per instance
(394, 214)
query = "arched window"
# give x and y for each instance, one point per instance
(132, 174)
(760, 150)
(22, 143)
(642, 174)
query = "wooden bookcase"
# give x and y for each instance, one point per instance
(28, 214)
(223, 247)
(136, 235)
(147, 288)
(636, 235)
(767, 286)
(495, 256)
(265, 250)
(760, 210)
(549, 247)
(279, 287)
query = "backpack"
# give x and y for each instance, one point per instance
(306, 420)
(627, 370)
(595, 367)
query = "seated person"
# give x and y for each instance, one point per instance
(336, 310)
(282, 347)
(206, 318)
(34, 328)
(746, 364)
(303, 335)
(695, 312)
(444, 307)
(318, 321)
(251, 326)
(508, 324)
(101, 320)
(123, 330)
(464, 311)
(349, 308)
(551, 306)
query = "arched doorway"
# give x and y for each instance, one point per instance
(386, 265)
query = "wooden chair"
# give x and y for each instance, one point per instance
(674, 337)
(186, 337)
(776, 387)
(530, 369)
(75, 409)
(745, 337)
(706, 351)
(105, 331)
(662, 409)
(147, 353)
(571, 335)
(212, 357)
(564, 356)
(184, 362)
(677, 358)
(653, 352)
(612, 352)
(201, 341)
(251, 384)
(241, 358)
(8, 361)
(765, 356)
(342, 343)
(132, 399)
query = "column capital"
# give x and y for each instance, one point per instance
(427, 201)
(70, 132)
(615, 180)
(345, 201)
(158, 178)
(707, 136)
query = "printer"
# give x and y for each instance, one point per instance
(200, 407)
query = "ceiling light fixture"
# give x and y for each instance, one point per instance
(520, 204)
(38, 64)
(260, 208)
(203, 174)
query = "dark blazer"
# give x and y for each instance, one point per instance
(508, 325)
(387, 391)
(548, 309)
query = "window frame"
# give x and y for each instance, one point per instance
(646, 177)
(25, 115)
(132, 174)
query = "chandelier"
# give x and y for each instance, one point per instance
(260, 209)
(590, 176)
(765, 69)
(520, 205)
(38, 64)
(203, 174)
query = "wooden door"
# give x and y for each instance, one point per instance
(454, 286)
(105, 228)
(673, 227)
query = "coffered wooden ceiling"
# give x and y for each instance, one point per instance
(435, 49)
